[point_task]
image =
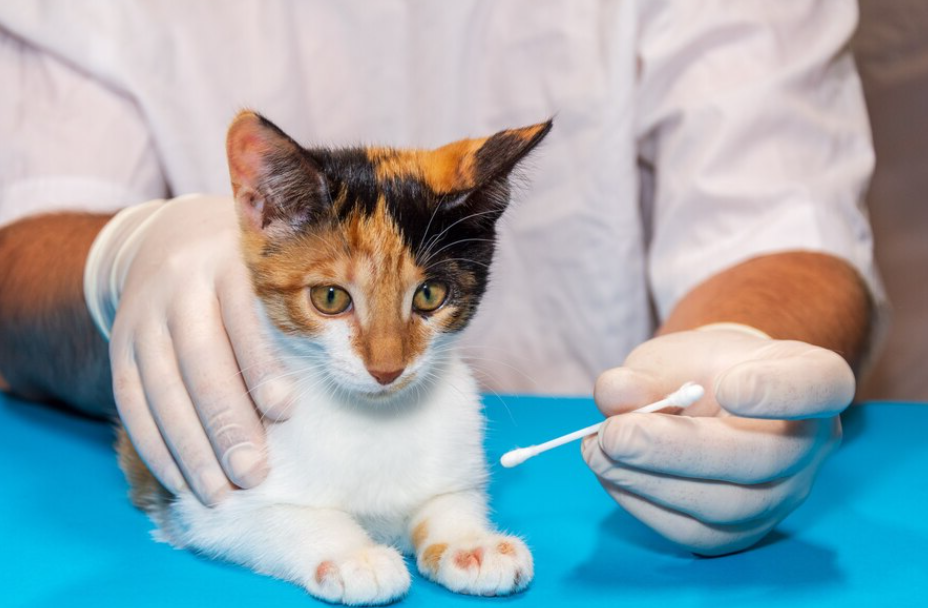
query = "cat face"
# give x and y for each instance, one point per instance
(370, 258)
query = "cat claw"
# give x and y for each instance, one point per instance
(493, 565)
(370, 576)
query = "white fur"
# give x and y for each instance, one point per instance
(353, 471)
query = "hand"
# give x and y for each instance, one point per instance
(191, 370)
(718, 478)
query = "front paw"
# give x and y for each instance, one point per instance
(490, 565)
(372, 575)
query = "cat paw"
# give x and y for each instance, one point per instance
(369, 576)
(491, 565)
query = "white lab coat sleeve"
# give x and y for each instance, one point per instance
(752, 116)
(68, 142)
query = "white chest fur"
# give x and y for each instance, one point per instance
(377, 461)
(376, 458)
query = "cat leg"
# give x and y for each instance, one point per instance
(456, 547)
(324, 550)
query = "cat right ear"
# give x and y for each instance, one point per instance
(278, 188)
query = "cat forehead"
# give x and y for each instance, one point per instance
(451, 168)
(365, 174)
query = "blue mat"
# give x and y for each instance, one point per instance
(69, 536)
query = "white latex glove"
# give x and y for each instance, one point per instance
(165, 282)
(720, 477)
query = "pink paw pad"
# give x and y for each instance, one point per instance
(325, 570)
(469, 559)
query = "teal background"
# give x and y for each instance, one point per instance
(69, 537)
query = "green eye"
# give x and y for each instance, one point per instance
(430, 296)
(329, 299)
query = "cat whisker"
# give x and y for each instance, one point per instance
(266, 381)
(532, 381)
(434, 240)
(428, 226)
(305, 383)
(467, 260)
(438, 236)
(282, 357)
(454, 243)
(445, 353)
(304, 386)
(430, 254)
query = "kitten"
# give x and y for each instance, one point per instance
(366, 262)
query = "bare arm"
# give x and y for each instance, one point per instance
(49, 347)
(190, 410)
(812, 297)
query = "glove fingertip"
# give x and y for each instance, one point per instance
(277, 411)
(810, 387)
(246, 466)
(617, 437)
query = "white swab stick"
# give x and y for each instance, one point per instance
(685, 396)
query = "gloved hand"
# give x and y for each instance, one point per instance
(189, 361)
(719, 477)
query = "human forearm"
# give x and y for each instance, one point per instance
(812, 297)
(49, 348)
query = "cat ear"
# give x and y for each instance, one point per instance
(500, 153)
(478, 170)
(278, 188)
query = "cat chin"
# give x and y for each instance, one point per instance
(386, 394)
(405, 393)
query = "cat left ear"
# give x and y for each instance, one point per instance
(482, 169)
(278, 188)
(500, 153)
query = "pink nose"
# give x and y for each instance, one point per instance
(385, 376)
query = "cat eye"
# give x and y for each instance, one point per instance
(330, 299)
(430, 296)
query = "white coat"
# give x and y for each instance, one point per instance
(689, 136)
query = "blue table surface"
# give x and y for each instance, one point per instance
(69, 536)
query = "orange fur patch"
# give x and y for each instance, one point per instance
(506, 548)
(447, 169)
(281, 278)
(386, 336)
(145, 491)
(432, 555)
(419, 534)
(450, 168)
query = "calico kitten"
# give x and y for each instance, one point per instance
(366, 263)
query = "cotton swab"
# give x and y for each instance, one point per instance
(685, 396)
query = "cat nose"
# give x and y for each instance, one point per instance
(385, 376)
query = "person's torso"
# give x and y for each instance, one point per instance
(568, 296)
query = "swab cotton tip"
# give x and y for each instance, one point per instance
(685, 396)
(514, 458)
